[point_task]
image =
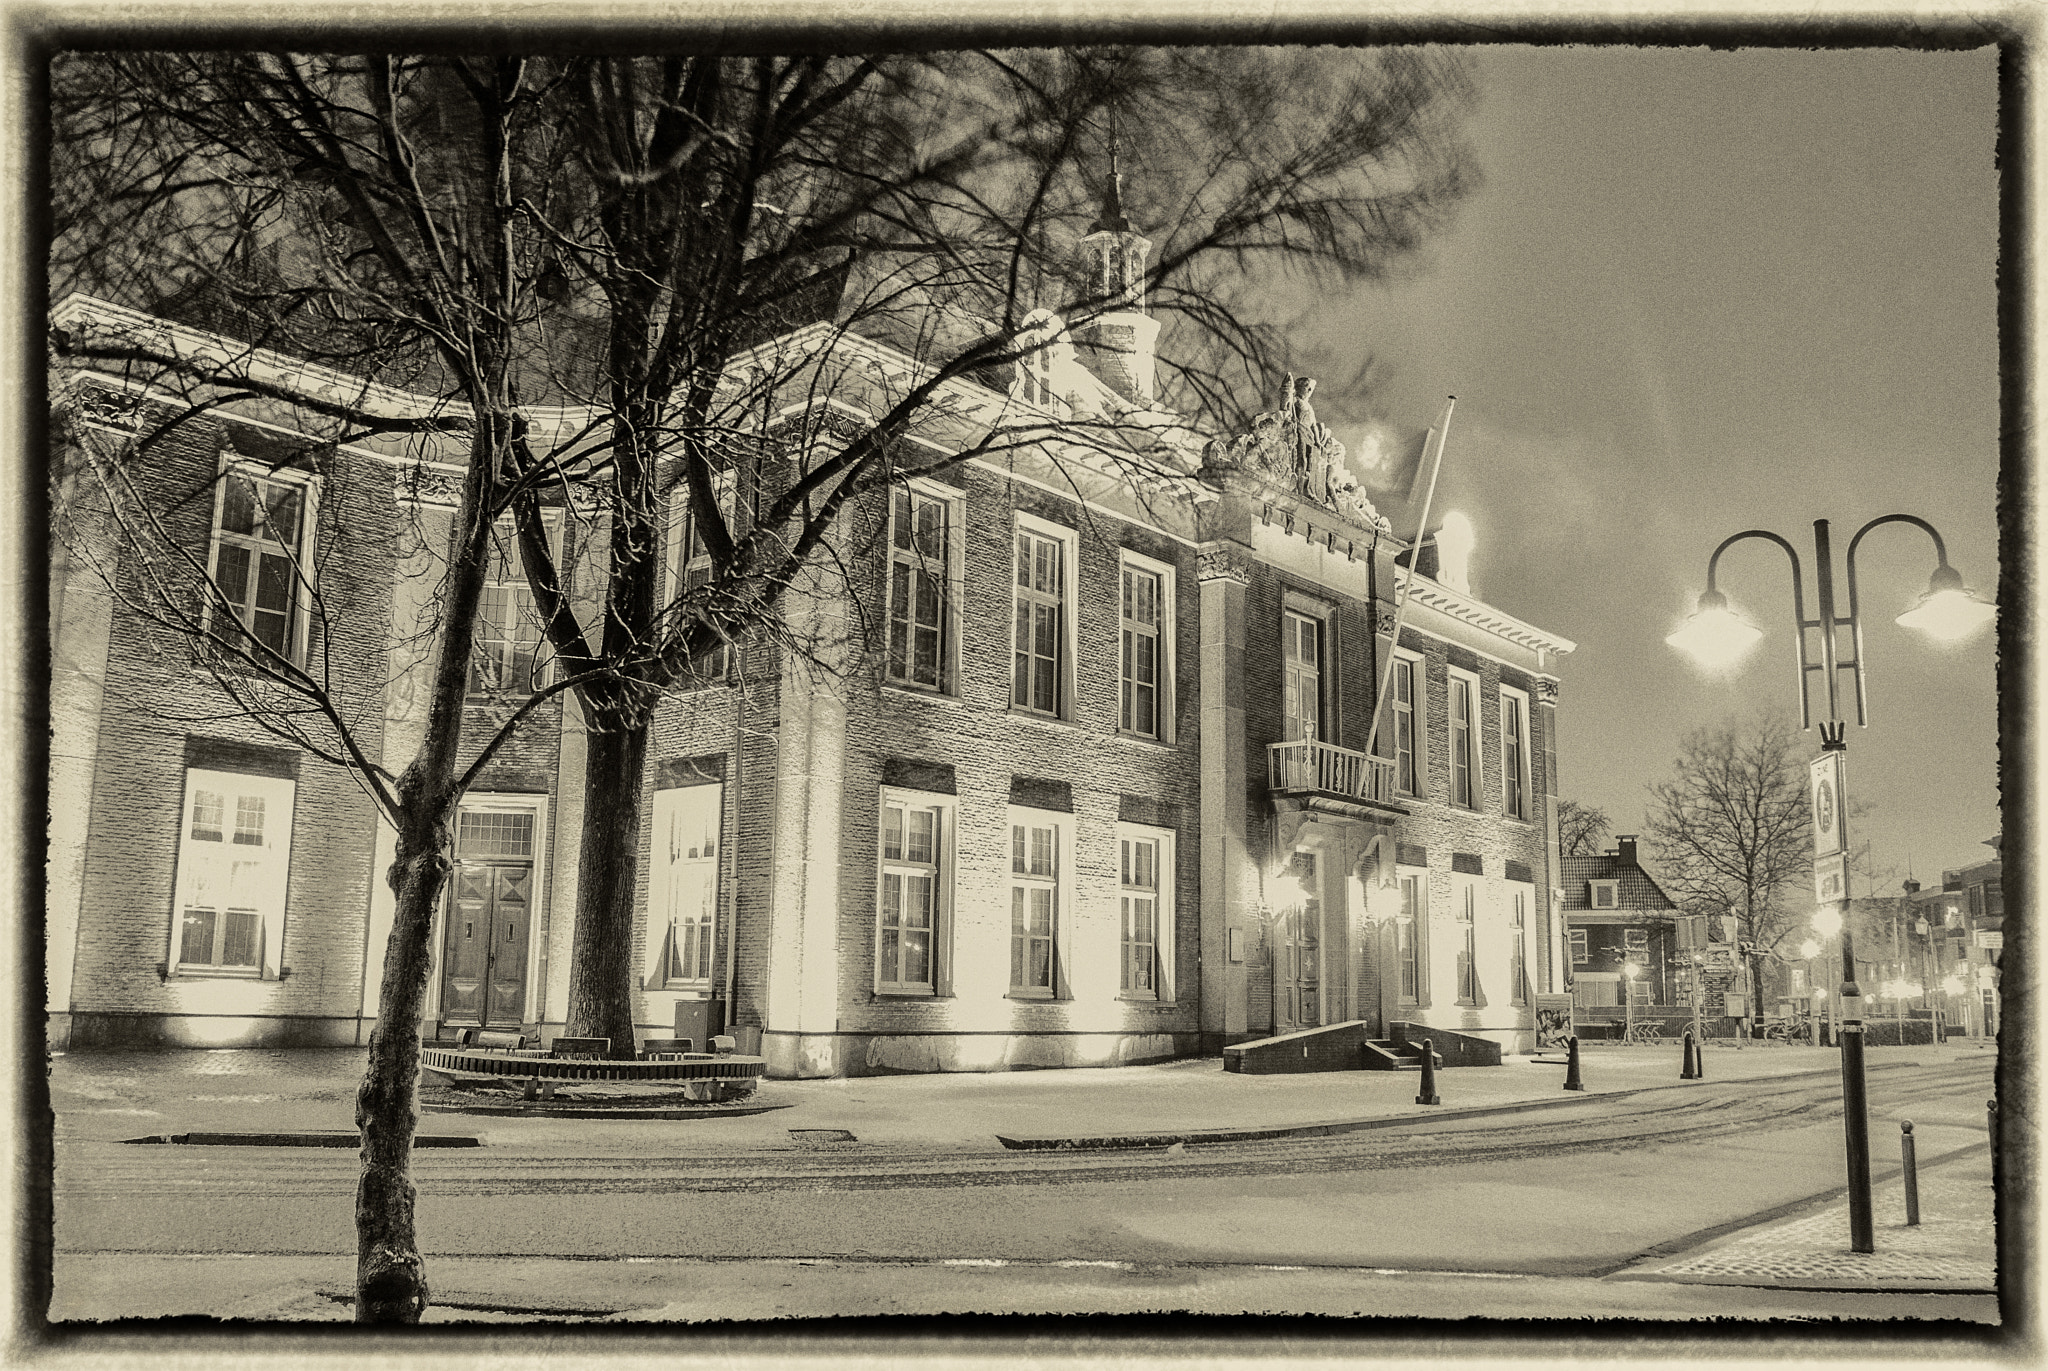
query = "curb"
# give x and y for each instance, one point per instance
(622, 1113)
(293, 1140)
(1042, 1142)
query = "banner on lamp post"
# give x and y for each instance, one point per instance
(1827, 784)
(1831, 877)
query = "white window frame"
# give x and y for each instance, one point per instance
(299, 556)
(1063, 670)
(1163, 659)
(1515, 770)
(1576, 948)
(669, 927)
(946, 811)
(507, 575)
(1417, 712)
(679, 573)
(1039, 370)
(1521, 899)
(1415, 916)
(950, 575)
(1164, 939)
(279, 795)
(1611, 889)
(1466, 904)
(1292, 613)
(1630, 938)
(1060, 883)
(1474, 752)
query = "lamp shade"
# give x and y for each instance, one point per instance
(1949, 611)
(1715, 635)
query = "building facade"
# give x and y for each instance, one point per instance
(1616, 918)
(1089, 766)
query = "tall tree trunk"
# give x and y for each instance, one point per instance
(391, 1281)
(601, 979)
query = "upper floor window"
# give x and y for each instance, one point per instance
(922, 606)
(687, 562)
(1603, 894)
(511, 641)
(1301, 651)
(259, 542)
(1514, 753)
(1146, 647)
(1038, 370)
(1577, 938)
(1044, 562)
(1407, 760)
(1464, 737)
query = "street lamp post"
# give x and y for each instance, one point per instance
(1715, 633)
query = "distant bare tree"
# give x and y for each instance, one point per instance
(1581, 829)
(1732, 833)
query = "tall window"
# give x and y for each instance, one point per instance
(1468, 943)
(685, 879)
(1635, 944)
(687, 562)
(1143, 655)
(920, 539)
(1411, 926)
(1580, 956)
(1302, 686)
(1514, 753)
(1404, 726)
(510, 640)
(1464, 740)
(1041, 629)
(1034, 906)
(258, 540)
(1518, 949)
(912, 894)
(233, 855)
(1145, 868)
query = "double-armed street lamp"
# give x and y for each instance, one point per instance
(1716, 635)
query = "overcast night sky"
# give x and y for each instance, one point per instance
(1704, 292)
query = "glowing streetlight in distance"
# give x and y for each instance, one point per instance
(1809, 949)
(1715, 635)
(1827, 922)
(1953, 985)
(1949, 611)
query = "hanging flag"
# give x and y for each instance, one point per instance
(1388, 461)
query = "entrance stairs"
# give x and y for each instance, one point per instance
(1345, 1047)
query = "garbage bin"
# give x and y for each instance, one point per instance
(746, 1039)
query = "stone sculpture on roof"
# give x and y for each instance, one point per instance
(1290, 446)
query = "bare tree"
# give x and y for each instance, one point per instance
(1581, 829)
(1733, 835)
(944, 206)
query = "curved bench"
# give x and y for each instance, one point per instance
(725, 1076)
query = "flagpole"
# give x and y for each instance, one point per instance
(1401, 599)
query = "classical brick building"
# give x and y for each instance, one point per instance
(1100, 783)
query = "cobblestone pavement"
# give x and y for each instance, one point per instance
(1953, 1248)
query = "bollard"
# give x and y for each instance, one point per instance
(1699, 1059)
(1686, 1070)
(1428, 1095)
(1912, 1172)
(1991, 1119)
(1571, 1069)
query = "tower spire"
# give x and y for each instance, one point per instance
(1112, 219)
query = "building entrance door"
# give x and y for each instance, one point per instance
(484, 983)
(1297, 998)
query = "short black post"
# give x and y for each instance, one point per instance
(1571, 1069)
(1991, 1119)
(1912, 1172)
(1686, 1070)
(1699, 1058)
(1428, 1095)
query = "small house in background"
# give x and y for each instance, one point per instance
(1617, 916)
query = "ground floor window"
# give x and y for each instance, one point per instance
(915, 890)
(1036, 864)
(1518, 946)
(1145, 874)
(234, 855)
(684, 884)
(1411, 927)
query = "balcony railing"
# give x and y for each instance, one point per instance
(1331, 770)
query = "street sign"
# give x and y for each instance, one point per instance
(1991, 938)
(1827, 783)
(1831, 877)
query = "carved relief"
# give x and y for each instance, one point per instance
(1289, 445)
(1384, 621)
(1222, 564)
(1546, 691)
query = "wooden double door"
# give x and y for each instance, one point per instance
(490, 912)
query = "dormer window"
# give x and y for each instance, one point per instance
(1038, 369)
(1604, 894)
